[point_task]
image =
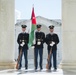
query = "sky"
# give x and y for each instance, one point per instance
(50, 9)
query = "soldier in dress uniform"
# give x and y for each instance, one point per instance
(39, 41)
(23, 39)
(52, 40)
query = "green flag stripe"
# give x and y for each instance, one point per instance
(31, 35)
(33, 27)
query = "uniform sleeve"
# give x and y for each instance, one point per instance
(18, 39)
(47, 39)
(35, 35)
(43, 37)
(57, 39)
(28, 38)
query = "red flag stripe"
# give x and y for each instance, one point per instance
(33, 17)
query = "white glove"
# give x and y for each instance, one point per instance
(33, 47)
(38, 43)
(53, 42)
(22, 44)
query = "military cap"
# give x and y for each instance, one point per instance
(23, 26)
(51, 26)
(38, 26)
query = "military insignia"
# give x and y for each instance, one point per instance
(20, 40)
(38, 39)
(38, 43)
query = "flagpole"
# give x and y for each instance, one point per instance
(34, 48)
(34, 38)
(33, 28)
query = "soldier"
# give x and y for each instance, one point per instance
(23, 39)
(52, 40)
(39, 39)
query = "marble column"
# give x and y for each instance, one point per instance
(7, 34)
(68, 34)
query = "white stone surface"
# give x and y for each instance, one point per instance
(32, 72)
(69, 33)
(7, 36)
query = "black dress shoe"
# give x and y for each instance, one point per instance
(26, 68)
(49, 70)
(41, 68)
(35, 69)
(19, 68)
(55, 70)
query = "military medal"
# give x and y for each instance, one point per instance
(22, 40)
(38, 43)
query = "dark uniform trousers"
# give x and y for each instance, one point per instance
(23, 37)
(54, 54)
(40, 51)
(25, 52)
(49, 39)
(40, 37)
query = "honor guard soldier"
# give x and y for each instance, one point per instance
(39, 41)
(52, 40)
(23, 39)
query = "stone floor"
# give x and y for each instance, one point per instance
(32, 72)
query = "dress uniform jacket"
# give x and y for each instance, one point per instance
(23, 37)
(39, 37)
(52, 37)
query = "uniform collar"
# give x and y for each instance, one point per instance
(51, 33)
(23, 32)
(39, 31)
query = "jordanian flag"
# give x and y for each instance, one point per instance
(33, 27)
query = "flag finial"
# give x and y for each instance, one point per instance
(33, 5)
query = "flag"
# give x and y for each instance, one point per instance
(33, 27)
